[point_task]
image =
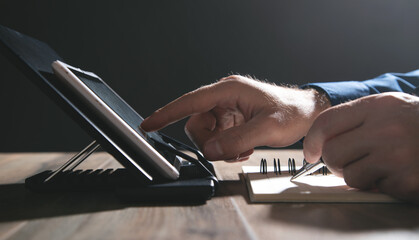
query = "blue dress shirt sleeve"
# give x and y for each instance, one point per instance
(340, 92)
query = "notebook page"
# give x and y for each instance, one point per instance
(273, 187)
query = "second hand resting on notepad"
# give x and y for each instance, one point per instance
(372, 142)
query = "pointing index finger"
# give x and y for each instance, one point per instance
(198, 101)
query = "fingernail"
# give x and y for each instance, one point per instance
(213, 150)
(231, 161)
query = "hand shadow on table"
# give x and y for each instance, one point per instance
(19, 203)
(348, 217)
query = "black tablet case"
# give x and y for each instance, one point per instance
(197, 181)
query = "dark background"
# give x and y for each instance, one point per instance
(151, 52)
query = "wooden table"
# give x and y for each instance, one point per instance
(229, 215)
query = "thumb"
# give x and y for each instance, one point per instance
(232, 142)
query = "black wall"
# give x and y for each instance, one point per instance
(152, 51)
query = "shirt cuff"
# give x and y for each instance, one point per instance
(340, 92)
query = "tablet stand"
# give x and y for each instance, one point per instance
(197, 181)
(73, 162)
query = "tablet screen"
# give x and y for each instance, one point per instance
(121, 119)
(119, 106)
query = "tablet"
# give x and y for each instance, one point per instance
(92, 91)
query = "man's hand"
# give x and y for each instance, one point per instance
(231, 117)
(373, 142)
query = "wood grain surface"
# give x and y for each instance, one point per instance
(229, 215)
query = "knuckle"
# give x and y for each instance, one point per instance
(188, 95)
(230, 78)
(235, 80)
(390, 99)
(234, 77)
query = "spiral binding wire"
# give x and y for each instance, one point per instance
(263, 166)
(291, 167)
(277, 166)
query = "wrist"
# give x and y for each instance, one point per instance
(297, 108)
(311, 103)
(322, 100)
(303, 104)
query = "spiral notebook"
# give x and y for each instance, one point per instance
(272, 184)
